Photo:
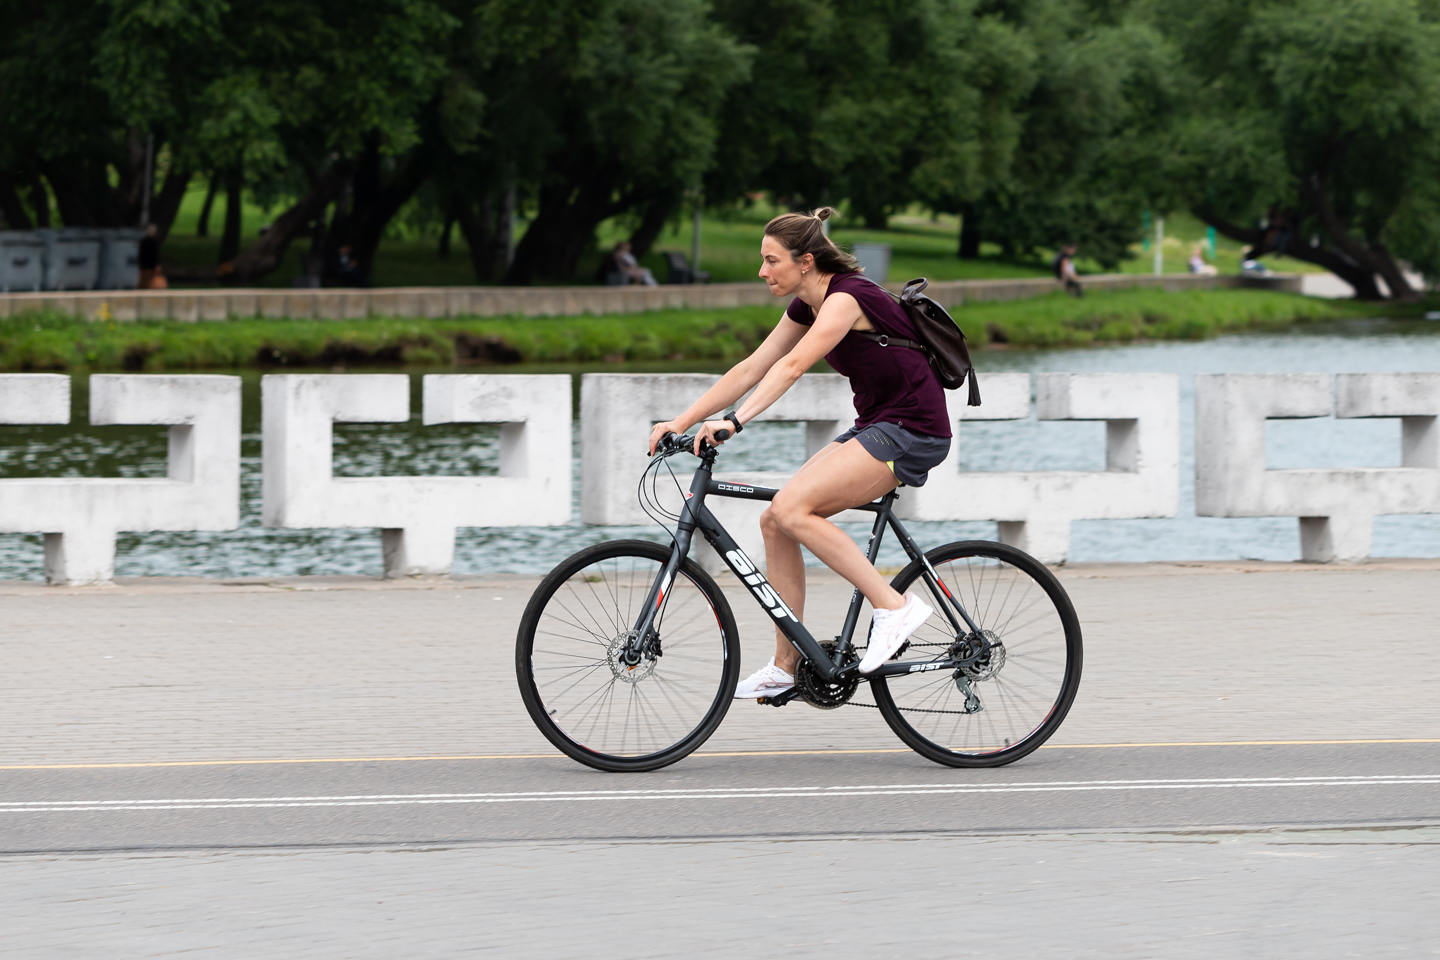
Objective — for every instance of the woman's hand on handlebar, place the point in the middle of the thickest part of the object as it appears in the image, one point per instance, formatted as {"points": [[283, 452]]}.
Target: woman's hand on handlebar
{"points": [[713, 432], [657, 433]]}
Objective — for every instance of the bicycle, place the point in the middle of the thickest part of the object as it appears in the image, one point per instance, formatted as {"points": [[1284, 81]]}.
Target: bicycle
{"points": [[622, 643]]}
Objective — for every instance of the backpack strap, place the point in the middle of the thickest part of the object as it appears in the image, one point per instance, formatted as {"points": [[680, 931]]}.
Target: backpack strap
{"points": [[889, 340]]}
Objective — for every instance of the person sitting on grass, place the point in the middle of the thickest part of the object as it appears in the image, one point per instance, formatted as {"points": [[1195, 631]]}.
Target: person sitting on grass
{"points": [[1064, 267]]}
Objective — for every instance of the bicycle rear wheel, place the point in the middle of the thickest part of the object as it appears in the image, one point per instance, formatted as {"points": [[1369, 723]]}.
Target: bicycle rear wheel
{"points": [[588, 702], [1020, 693]]}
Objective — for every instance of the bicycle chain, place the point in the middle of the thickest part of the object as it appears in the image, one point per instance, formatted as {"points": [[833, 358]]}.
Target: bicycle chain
{"points": [[873, 706]]}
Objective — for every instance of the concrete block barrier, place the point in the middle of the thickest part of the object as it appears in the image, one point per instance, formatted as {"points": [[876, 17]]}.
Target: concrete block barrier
{"points": [[417, 516], [1034, 509], [80, 516], [1336, 507]]}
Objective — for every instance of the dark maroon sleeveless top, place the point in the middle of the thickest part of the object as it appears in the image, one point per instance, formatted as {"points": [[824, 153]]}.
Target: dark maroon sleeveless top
{"points": [[892, 384]]}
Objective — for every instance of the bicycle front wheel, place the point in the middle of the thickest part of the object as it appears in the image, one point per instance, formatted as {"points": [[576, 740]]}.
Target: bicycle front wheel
{"points": [[1000, 707], [585, 699]]}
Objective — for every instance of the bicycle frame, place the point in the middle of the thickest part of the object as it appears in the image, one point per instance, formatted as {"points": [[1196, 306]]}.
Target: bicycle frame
{"points": [[696, 516]]}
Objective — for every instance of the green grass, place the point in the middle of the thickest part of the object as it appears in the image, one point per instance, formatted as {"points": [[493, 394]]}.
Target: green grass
{"points": [[921, 245], [51, 341], [1125, 316]]}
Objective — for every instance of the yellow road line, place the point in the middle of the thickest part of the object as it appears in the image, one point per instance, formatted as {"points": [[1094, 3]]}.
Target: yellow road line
{"points": [[728, 753]]}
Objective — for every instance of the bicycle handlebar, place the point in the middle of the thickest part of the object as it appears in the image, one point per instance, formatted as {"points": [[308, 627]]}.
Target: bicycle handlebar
{"points": [[673, 443]]}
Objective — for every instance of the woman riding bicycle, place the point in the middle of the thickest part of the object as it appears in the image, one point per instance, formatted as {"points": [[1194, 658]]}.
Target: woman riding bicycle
{"points": [[901, 430]]}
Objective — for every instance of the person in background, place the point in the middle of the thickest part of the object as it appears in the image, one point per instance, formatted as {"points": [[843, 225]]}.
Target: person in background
{"points": [[1064, 267], [1198, 266], [630, 267], [347, 268], [152, 275]]}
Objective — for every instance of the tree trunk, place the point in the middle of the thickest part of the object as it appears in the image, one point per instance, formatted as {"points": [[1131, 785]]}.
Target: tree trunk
{"points": [[130, 186], [969, 248], [71, 183], [234, 218], [379, 204], [563, 229], [202, 227], [265, 254], [1361, 276], [652, 221], [442, 249], [1391, 273], [12, 211], [480, 222], [39, 201], [165, 205], [551, 249]]}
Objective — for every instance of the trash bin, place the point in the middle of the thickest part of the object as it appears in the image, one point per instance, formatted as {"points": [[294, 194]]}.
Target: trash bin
{"points": [[72, 258], [119, 258], [875, 259], [22, 261]]}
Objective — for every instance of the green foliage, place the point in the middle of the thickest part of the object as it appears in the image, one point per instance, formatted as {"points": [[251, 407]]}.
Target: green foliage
{"points": [[1035, 121], [1327, 111]]}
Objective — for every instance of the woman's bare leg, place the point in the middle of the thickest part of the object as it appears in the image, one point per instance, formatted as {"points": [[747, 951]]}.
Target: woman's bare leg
{"points": [[840, 476]]}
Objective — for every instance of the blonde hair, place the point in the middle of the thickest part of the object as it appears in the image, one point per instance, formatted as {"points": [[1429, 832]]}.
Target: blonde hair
{"points": [[803, 233]]}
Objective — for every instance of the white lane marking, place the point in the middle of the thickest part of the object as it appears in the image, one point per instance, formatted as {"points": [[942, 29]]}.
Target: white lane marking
{"points": [[706, 793]]}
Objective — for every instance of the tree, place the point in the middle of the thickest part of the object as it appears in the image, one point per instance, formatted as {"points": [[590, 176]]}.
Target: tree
{"points": [[1086, 86], [308, 103], [322, 105], [1325, 114], [858, 102], [68, 119], [591, 111]]}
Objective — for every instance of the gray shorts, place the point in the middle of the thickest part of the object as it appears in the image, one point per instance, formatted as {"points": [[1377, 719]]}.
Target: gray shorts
{"points": [[908, 454]]}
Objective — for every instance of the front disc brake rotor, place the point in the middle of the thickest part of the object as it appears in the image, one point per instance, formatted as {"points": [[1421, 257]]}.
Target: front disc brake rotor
{"points": [[627, 672]]}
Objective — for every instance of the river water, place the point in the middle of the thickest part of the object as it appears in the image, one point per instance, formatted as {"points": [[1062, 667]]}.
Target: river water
{"points": [[459, 449]]}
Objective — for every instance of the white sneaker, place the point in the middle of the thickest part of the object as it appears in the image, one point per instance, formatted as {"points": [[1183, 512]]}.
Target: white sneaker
{"points": [[889, 629], [768, 681]]}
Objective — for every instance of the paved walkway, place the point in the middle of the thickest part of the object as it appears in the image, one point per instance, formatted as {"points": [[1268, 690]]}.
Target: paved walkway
{"points": [[174, 670]]}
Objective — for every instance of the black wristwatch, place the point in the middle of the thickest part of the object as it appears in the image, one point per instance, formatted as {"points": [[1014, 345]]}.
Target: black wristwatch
{"points": [[734, 420]]}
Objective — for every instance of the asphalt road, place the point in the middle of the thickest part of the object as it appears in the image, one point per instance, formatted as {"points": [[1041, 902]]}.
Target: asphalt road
{"points": [[343, 769], [815, 796]]}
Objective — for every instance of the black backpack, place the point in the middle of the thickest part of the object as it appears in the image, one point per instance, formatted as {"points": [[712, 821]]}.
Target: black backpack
{"points": [[941, 338]]}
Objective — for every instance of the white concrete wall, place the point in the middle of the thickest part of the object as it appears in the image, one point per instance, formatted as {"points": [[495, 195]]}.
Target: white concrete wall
{"points": [[80, 516], [417, 515], [1336, 507]]}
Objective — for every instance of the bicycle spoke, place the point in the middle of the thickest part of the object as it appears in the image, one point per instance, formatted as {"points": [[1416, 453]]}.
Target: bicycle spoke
{"points": [[1019, 692], [582, 686]]}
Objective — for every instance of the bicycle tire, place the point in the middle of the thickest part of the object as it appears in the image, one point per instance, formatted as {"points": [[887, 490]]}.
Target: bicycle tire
{"points": [[1015, 599], [590, 705]]}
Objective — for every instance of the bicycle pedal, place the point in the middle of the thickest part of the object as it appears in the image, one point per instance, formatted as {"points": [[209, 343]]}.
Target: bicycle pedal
{"points": [[780, 699]]}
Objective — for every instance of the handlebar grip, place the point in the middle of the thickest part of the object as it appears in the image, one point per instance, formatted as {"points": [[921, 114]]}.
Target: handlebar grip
{"points": [[722, 435]]}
